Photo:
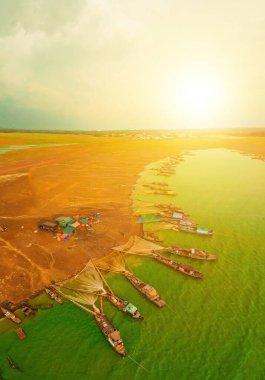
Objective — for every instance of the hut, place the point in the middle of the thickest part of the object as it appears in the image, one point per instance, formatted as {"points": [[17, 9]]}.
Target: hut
{"points": [[68, 230], [63, 221]]}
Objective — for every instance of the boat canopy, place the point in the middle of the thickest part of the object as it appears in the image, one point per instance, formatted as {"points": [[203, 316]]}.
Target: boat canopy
{"points": [[131, 308], [177, 215], [202, 229], [115, 335]]}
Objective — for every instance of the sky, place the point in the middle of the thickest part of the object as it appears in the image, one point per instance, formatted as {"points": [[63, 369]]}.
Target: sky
{"points": [[123, 64]]}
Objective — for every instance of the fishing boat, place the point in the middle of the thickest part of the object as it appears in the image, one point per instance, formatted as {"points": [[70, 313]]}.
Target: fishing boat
{"points": [[21, 334], [11, 316], [42, 306], [192, 253], [111, 334], [53, 296], [183, 268], [196, 230], [163, 192], [160, 183], [11, 363], [147, 290], [169, 212], [124, 306], [27, 311]]}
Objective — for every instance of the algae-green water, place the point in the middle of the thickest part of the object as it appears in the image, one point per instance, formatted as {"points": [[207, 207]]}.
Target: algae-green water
{"points": [[213, 328]]}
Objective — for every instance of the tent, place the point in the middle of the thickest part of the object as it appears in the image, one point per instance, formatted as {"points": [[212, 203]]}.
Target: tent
{"points": [[68, 230], [75, 224], [63, 221]]}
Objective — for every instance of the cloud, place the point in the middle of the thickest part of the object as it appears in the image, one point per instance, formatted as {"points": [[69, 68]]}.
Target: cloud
{"points": [[110, 62], [47, 16]]}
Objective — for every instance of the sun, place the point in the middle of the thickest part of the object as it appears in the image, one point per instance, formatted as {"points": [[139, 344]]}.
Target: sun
{"points": [[199, 95]]}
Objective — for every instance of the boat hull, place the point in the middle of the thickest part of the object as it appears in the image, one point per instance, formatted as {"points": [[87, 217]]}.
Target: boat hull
{"points": [[178, 267], [157, 301], [11, 316], [195, 256], [210, 233], [108, 330]]}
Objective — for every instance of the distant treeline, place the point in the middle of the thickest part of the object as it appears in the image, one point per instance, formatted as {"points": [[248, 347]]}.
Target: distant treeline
{"points": [[155, 132]]}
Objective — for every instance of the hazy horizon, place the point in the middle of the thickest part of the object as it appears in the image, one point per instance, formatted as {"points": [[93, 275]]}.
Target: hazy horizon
{"points": [[121, 65]]}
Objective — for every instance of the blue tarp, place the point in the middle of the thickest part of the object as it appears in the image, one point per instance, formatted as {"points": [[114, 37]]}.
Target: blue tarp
{"points": [[131, 308], [149, 219]]}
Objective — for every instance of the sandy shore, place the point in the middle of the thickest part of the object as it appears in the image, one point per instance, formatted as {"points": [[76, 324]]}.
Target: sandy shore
{"points": [[95, 174]]}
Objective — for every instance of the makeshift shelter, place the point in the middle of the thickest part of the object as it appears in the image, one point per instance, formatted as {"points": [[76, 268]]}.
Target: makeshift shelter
{"points": [[75, 224], [138, 245], [63, 221], [84, 222], [149, 218], [68, 230]]}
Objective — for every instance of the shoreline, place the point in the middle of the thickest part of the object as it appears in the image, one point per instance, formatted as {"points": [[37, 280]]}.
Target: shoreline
{"points": [[59, 180]]}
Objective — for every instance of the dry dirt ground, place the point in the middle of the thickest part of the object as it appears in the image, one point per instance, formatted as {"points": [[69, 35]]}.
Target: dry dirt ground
{"points": [[94, 174]]}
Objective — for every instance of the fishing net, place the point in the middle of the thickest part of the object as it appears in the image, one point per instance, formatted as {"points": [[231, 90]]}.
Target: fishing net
{"points": [[113, 263], [90, 280], [138, 245], [85, 287], [83, 298], [161, 227]]}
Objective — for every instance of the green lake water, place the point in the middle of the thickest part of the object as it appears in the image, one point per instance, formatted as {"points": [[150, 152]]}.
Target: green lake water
{"points": [[11, 148], [213, 328]]}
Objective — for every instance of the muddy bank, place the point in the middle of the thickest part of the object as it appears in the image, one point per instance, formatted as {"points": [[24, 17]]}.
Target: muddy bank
{"points": [[95, 175]]}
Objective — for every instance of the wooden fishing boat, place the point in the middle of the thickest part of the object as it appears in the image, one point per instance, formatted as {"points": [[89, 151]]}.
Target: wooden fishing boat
{"points": [[161, 192], [147, 290], [21, 334], [42, 306], [196, 230], [27, 311], [11, 363], [192, 253], [111, 334], [124, 306], [11, 316], [53, 296], [160, 183], [183, 268]]}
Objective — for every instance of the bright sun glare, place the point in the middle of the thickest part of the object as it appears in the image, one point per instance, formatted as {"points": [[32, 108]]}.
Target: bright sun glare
{"points": [[199, 95]]}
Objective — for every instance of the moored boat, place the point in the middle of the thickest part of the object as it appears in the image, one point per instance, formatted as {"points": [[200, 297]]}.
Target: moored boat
{"points": [[21, 334], [11, 363], [124, 306], [111, 334], [147, 290], [53, 296], [196, 230], [183, 268], [42, 306], [192, 253], [153, 237], [11, 316], [160, 183]]}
